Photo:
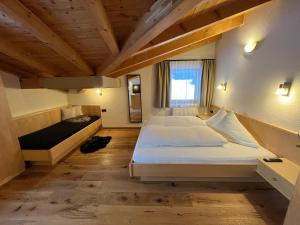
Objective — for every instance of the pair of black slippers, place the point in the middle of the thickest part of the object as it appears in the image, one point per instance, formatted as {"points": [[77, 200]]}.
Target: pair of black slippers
{"points": [[95, 143]]}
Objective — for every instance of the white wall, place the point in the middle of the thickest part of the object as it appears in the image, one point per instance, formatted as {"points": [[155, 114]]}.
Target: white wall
{"points": [[115, 100], [253, 79], [204, 52], [24, 101]]}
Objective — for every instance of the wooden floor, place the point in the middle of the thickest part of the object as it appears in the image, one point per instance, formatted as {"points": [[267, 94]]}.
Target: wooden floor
{"points": [[96, 189]]}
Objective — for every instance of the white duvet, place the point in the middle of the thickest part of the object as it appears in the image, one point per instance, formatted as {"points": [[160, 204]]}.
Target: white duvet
{"points": [[157, 136], [181, 121]]}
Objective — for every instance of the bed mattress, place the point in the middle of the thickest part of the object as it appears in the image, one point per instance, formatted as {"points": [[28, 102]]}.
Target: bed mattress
{"points": [[53, 135], [230, 153]]}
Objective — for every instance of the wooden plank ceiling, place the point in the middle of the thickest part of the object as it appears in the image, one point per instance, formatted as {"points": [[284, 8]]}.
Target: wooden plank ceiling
{"points": [[43, 38]]}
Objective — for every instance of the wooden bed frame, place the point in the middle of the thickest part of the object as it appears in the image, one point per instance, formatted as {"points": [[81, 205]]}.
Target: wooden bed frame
{"points": [[279, 141], [193, 172], [46, 118]]}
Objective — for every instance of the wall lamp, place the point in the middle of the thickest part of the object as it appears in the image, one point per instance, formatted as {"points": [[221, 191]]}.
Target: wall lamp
{"points": [[99, 91], [284, 89], [222, 86], [250, 46]]}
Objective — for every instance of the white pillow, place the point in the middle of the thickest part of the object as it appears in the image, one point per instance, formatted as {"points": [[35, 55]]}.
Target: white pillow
{"points": [[217, 117], [185, 111], [78, 110], [67, 113], [234, 131], [153, 136]]}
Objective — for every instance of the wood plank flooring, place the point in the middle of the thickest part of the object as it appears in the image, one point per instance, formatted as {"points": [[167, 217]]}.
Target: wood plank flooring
{"points": [[96, 189]]}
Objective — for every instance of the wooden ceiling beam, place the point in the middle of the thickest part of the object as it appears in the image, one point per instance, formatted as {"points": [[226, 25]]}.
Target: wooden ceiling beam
{"points": [[18, 12], [161, 15], [12, 51], [12, 69], [210, 15], [104, 27], [171, 48], [161, 57]]}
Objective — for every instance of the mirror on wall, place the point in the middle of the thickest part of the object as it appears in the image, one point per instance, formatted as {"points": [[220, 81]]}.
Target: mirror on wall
{"points": [[134, 98]]}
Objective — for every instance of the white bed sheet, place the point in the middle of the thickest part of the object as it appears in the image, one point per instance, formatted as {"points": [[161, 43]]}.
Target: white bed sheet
{"points": [[230, 153]]}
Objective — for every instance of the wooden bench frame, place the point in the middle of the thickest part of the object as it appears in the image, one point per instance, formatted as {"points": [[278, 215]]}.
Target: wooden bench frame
{"points": [[59, 151], [35, 121]]}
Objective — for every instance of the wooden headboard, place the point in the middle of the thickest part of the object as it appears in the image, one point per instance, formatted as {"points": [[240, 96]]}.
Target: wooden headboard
{"points": [[92, 110], [32, 122], [278, 140]]}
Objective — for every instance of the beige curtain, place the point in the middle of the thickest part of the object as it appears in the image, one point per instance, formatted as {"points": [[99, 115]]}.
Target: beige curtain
{"points": [[207, 84], [162, 71]]}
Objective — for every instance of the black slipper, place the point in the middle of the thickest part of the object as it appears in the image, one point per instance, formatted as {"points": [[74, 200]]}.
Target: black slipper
{"points": [[95, 143]]}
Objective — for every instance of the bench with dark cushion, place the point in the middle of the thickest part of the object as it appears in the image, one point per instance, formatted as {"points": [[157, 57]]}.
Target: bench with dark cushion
{"points": [[49, 137]]}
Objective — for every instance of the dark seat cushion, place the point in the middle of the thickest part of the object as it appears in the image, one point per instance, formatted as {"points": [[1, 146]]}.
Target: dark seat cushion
{"points": [[53, 135]]}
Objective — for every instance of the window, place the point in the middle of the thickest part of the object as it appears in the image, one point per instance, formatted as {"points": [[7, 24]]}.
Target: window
{"points": [[185, 83]]}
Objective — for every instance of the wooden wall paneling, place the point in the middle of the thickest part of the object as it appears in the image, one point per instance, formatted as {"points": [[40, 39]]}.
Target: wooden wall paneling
{"points": [[206, 14], [11, 161], [280, 141], [104, 27], [35, 121], [18, 12], [93, 110], [161, 15]]}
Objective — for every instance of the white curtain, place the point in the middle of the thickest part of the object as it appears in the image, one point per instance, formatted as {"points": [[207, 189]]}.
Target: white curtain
{"points": [[185, 83]]}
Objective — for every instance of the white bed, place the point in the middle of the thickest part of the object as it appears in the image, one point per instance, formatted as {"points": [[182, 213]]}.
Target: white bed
{"points": [[230, 160]]}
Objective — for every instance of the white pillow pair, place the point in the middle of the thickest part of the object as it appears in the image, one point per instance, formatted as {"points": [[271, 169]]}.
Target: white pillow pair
{"points": [[70, 112], [230, 127]]}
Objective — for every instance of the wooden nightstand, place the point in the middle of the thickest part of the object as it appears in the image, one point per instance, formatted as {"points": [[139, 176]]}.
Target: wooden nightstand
{"points": [[281, 175]]}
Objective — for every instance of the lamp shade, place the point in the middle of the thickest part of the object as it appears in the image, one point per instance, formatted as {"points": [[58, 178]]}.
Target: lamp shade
{"points": [[136, 88]]}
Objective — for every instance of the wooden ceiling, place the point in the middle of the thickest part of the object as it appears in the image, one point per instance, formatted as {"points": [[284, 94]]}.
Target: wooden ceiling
{"points": [[46, 38]]}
